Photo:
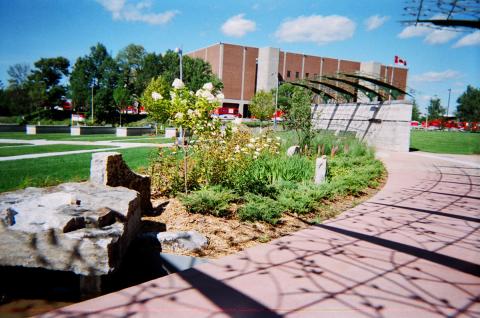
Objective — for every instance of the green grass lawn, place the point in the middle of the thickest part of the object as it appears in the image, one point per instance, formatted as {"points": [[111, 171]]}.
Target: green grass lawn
{"points": [[64, 137], [47, 171], [451, 142], [25, 150]]}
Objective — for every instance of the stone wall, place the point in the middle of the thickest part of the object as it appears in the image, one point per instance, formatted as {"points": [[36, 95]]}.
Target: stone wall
{"points": [[12, 128], [382, 125], [108, 168], [46, 129], [91, 130], [134, 131]]}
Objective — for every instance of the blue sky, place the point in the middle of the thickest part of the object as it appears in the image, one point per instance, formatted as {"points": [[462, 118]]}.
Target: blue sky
{"points": [[367, 30]]}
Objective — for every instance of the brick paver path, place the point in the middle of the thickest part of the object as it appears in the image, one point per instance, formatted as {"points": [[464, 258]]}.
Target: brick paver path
{"points": [[410, 251]]}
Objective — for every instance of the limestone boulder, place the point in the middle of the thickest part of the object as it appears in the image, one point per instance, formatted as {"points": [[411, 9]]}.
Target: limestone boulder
{"points": [[80, 227], [190, 240], [109, 169]]}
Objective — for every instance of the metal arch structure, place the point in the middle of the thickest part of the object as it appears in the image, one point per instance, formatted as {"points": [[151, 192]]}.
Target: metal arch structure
{"points": [[329, 89], [454, 14]]}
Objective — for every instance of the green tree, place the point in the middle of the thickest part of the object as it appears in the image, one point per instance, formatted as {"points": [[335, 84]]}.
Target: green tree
{"points": [[263, 105], [48, 72], [97, 74], [81, 80], [121, 95], [468, 108], [130, 63], [298, 114], [154, 99], [196, 72], [416, 115], [435, 110], [151, 67], [18, 74]]}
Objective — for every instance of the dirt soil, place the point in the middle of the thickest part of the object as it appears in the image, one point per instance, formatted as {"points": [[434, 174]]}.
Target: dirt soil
{"points": [[230, 235]]}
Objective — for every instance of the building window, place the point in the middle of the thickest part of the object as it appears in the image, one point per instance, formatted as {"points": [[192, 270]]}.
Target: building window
{"points": [[297, 74], [306, 75], [288, 73]]}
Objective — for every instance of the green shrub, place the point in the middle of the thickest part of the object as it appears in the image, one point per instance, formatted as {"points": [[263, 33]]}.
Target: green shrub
{"points": [[303, 198], [253, 124], [259, 208], [209, 200]]}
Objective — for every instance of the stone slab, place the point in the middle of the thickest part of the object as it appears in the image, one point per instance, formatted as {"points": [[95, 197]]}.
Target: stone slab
{"points": [[80, 227]]}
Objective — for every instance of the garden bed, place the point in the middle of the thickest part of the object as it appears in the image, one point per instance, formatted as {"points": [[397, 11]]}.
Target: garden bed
{"points": [[231, 235]]}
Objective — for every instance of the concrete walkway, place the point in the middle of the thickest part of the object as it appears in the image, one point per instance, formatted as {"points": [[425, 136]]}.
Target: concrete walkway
{"points": [[43, 142], [410, 251]]}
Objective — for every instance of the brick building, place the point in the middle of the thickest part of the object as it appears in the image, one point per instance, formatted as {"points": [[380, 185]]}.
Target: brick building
{"points": [[245, 70]]}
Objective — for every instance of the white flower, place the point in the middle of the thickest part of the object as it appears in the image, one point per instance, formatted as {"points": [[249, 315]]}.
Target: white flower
{"points": [[197, 113], [220, 96], [172, 94], [190, 112], [250, 146], [179, 115], [278, 138], [206, 94], [252, 139], [156, 96], [257, 153], [269, 139], [178, 84], [237, 148], [208, 86]]}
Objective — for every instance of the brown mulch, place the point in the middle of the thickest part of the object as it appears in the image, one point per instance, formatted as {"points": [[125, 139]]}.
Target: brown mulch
{"points": [[230, 235]]}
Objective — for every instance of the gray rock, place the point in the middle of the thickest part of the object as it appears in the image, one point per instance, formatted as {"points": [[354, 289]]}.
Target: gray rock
{"points": [[108, 168], [191, 240], [80, 227], [320, 170], [293, 150]]}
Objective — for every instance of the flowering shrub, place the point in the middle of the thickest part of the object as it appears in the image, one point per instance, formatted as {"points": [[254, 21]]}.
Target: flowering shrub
{"points": [[221, 156], [180, 106]]}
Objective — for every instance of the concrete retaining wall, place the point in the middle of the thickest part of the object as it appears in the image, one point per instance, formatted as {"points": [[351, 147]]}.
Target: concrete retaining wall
{"points": [[44, 129], [134, 131], [91, 130], [382, 125], [12, 128]]}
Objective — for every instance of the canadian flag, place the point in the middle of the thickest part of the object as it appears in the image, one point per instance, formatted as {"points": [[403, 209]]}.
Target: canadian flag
{"points": [[400, 61]]}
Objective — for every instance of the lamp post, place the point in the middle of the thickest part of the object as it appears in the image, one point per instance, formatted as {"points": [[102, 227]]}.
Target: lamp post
{"points": [[180, 54], [448, 103], [93, 84]]}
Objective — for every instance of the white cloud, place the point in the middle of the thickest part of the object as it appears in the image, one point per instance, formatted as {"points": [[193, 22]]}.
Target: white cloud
{"points": [[414, 31], [237, 26], [436, 76], [431, 35], [121, 10], [440, 36], [316, 28], [468, 40], [375, 21]]}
